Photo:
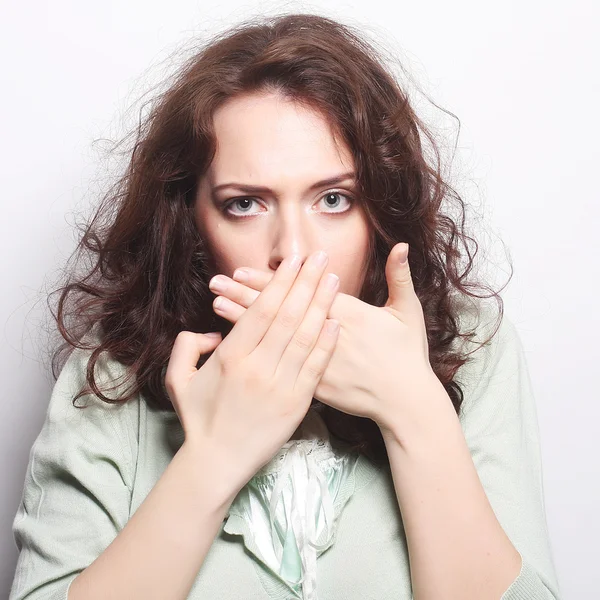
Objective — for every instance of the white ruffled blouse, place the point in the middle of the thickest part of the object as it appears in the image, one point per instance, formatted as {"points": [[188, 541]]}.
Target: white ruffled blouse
{"points": [[288, 512]]}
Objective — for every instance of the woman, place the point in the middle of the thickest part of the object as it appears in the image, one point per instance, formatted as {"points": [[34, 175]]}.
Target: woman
{"points": [[355, 429]]}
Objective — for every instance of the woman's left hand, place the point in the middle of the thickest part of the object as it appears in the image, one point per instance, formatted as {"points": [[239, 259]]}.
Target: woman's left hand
{"points": [[380, 367]]}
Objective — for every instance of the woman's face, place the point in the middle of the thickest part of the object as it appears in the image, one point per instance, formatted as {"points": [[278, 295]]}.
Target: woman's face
{"points": [[263, 196]]}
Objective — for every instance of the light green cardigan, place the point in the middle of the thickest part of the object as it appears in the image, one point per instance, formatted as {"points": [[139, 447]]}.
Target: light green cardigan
{"points": [[89, 470]]}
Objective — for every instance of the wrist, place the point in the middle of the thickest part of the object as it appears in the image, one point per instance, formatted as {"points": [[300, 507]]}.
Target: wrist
{"points": [[209, 477], [430, 412]]}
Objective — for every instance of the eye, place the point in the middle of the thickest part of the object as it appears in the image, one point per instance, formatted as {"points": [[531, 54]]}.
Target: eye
{"points": [[243, 203], [330, 200]]}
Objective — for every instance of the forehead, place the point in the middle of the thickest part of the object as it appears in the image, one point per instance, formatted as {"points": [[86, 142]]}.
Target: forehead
{"points": [[262, 138]]}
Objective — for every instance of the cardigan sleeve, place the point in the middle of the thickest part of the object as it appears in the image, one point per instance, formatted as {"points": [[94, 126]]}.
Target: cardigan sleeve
{"points": [[499, 421], [77, 490]]}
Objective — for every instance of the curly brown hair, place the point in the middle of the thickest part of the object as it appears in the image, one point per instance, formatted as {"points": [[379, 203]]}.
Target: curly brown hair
{"points": [[149, 266]]}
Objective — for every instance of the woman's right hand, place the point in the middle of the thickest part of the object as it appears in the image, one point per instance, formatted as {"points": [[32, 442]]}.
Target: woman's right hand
{"points": [[251, 395]]}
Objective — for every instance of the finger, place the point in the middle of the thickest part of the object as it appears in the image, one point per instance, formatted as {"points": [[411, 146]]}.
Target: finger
{"points": [[255, 322], [232, 310], [307, 334], [185, 354], [401, 291], [292, 311], [228, 309], [253, 278], [236, 292], [313, 368]]}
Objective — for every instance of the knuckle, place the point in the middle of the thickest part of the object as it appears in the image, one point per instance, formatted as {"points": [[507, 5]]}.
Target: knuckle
{"points": [[255, 375], [226, 358], [314, 370], [303, 340], [254, 379], [288, 318], [184, 337], [170, 385], [306, 287], [264, 315]]}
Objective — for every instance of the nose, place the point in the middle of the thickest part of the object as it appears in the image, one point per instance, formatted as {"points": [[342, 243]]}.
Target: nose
{"points": [[291, 235]]}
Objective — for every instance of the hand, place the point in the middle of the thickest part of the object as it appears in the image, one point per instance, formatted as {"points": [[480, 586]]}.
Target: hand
{"points": [[250, 396], [380, 367]]}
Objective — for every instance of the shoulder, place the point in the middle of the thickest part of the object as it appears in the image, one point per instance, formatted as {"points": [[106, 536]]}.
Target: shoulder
{"points": [[492, 329], [90, 418], [484, 317], [494, 353]]}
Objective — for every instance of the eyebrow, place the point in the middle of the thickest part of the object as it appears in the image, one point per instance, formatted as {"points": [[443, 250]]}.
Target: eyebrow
{"points": [[257, 189]]}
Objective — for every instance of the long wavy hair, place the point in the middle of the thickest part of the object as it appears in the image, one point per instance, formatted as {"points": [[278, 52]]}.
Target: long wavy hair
{"points": [[149, 267]]}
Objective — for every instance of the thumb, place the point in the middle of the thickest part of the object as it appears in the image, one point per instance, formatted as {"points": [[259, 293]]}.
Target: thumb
{"points": [[401, 292], [185, 354]]}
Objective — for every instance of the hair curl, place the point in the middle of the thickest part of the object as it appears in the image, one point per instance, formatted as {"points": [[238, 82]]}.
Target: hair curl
{"points": [[149, 267]]}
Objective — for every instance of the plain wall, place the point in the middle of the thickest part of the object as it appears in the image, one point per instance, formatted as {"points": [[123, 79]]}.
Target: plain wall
{"points": [[522, 79]]}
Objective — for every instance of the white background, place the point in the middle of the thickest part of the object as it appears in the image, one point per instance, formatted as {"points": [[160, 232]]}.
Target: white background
{"points": [[521, 76]]}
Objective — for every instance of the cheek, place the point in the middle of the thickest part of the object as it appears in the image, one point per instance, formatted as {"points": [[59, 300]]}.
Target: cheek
{"points": [[229, 257], [350, 280], [352, 263], [227, 250], [350, 268]]}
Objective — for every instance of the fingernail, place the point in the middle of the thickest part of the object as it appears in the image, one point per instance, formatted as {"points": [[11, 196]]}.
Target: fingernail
{"points": [[295, 262], [332, 281], [404, 255], [240, 275], [320, 258], [217, 284], [213, 334], [332, 326]]}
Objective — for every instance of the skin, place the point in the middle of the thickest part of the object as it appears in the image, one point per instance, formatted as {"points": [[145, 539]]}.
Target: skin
{"points": [[457, 547], [267, 140]]}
